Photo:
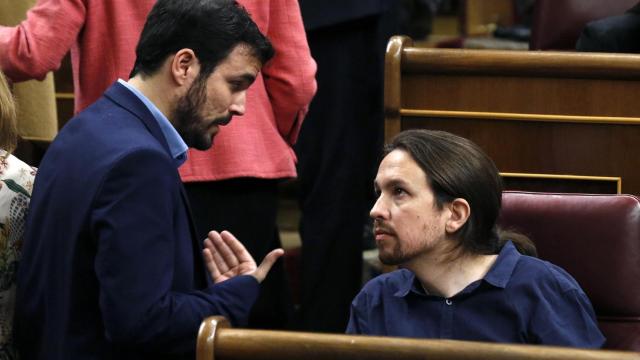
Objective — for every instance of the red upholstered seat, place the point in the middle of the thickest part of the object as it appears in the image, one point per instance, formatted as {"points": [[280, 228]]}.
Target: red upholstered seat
{"points": [[596, 238]]}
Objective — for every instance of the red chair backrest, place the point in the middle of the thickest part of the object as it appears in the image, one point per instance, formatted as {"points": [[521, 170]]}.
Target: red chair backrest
{"points": [[596, 238]]}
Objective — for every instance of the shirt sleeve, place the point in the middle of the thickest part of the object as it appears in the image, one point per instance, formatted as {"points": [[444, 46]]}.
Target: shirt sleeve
{"points": [[133, 220], [37, 45], [357, 317], [565, 318], [290, 75]]}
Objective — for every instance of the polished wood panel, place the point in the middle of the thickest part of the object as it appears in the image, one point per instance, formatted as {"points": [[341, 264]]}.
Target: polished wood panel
{"points": [[562, 183], [527, 95], [220, 342], [532, 112], [554, 64], [551, 148]]}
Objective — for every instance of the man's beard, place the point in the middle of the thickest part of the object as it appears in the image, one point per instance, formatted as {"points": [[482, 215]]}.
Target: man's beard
{"points": [[395, 257], [188, 122]]}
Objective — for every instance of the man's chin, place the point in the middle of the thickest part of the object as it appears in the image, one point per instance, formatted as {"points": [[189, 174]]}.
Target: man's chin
{"points": [[202, 144], [390, 259]]}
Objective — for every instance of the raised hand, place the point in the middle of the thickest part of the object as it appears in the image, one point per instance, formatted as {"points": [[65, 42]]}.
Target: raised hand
{"points": [[226, 257]]}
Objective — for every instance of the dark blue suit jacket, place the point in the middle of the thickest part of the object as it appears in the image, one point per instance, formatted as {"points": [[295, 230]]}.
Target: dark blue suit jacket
{"points": [[111, 267]]}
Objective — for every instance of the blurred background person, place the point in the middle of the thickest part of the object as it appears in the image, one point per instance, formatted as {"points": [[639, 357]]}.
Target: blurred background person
{"points": [[16, 184], [337, 152], [612, 34]]}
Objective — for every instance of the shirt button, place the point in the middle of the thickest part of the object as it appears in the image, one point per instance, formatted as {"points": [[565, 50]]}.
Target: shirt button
{"points": [[448, 302]]}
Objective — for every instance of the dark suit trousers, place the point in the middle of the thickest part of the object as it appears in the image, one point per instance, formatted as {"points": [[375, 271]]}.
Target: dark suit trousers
{"points": [[337, 152], [247, 208]]}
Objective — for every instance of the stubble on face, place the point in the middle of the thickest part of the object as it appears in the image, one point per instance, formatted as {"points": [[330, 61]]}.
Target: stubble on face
{"points": [[408, 223], [188, 121], [422, 241]]}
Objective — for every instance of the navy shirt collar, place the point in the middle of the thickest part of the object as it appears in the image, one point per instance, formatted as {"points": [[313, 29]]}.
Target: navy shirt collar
{"points": [[501, 271], [498, 276]]}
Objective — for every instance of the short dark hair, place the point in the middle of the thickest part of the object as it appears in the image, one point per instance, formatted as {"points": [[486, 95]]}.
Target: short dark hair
{"points": [[211, 28], [458, 168]]}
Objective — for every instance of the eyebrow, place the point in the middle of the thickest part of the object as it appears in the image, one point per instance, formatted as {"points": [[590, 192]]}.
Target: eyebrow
{"points": [[391, 183]]}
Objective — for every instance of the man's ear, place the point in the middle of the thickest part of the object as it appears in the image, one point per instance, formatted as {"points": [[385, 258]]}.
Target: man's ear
{"points": [[185, 66], [459, 214]]}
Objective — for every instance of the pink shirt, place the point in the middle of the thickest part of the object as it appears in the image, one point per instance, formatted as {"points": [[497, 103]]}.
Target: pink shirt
{"points": [[102, 36]]}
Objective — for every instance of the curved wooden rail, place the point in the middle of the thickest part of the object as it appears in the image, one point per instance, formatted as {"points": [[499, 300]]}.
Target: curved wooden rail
{"points": [[392, 76], [205, 345], [223, 343], [519, 63]]}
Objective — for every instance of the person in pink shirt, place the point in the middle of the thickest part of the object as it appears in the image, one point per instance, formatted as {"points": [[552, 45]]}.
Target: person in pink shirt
{"points": [[233, 185]]}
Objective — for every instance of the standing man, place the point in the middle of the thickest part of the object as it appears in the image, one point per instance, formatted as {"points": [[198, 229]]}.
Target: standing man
{"points": [[461, 278], [229, 185], [235, 183], [112, 265], [337, 151]]}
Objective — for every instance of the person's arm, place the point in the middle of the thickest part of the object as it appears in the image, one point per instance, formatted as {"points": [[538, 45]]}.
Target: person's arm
{"points": [[565, 318], [133, 221], [37, 45], [357, 316], [290, 76]]}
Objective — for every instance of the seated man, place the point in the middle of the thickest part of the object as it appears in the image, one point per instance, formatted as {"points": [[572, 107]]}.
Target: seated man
{"points": [[616, 34], [111, 266], [439, 197]]}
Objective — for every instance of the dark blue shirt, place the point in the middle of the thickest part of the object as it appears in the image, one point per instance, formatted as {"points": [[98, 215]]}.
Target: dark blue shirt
{"points": [[521, 300]]}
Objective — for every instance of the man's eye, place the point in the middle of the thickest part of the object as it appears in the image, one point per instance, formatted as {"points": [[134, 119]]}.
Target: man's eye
{"points": [[399, 191]]}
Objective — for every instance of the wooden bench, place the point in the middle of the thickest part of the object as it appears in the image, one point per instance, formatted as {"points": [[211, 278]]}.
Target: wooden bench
{"points": [[216, 340], [551, 121]]}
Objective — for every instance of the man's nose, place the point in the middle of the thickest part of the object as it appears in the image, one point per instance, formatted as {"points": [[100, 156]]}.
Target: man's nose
{"points": [[378, 210], [237, 107]]}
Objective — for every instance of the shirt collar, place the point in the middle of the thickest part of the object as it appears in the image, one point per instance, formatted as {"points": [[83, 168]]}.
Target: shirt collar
{"points": [[500, 273], [498, 276], [407, 283], [177, 146]]}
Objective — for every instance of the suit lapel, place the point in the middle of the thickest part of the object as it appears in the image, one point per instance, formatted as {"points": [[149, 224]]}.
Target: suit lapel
{"points": [[123, 97], [201, 277]]}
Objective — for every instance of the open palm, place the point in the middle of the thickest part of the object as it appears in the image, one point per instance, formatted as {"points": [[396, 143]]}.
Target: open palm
{"points": [[226, 257]]}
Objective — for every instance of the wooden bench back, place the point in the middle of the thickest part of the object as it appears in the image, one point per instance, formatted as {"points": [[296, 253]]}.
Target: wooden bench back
{"points": [[217, 341], [564, 121]]}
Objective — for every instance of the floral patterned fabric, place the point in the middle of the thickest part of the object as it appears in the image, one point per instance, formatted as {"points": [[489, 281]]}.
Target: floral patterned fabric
{"points": [[16, 184]]}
